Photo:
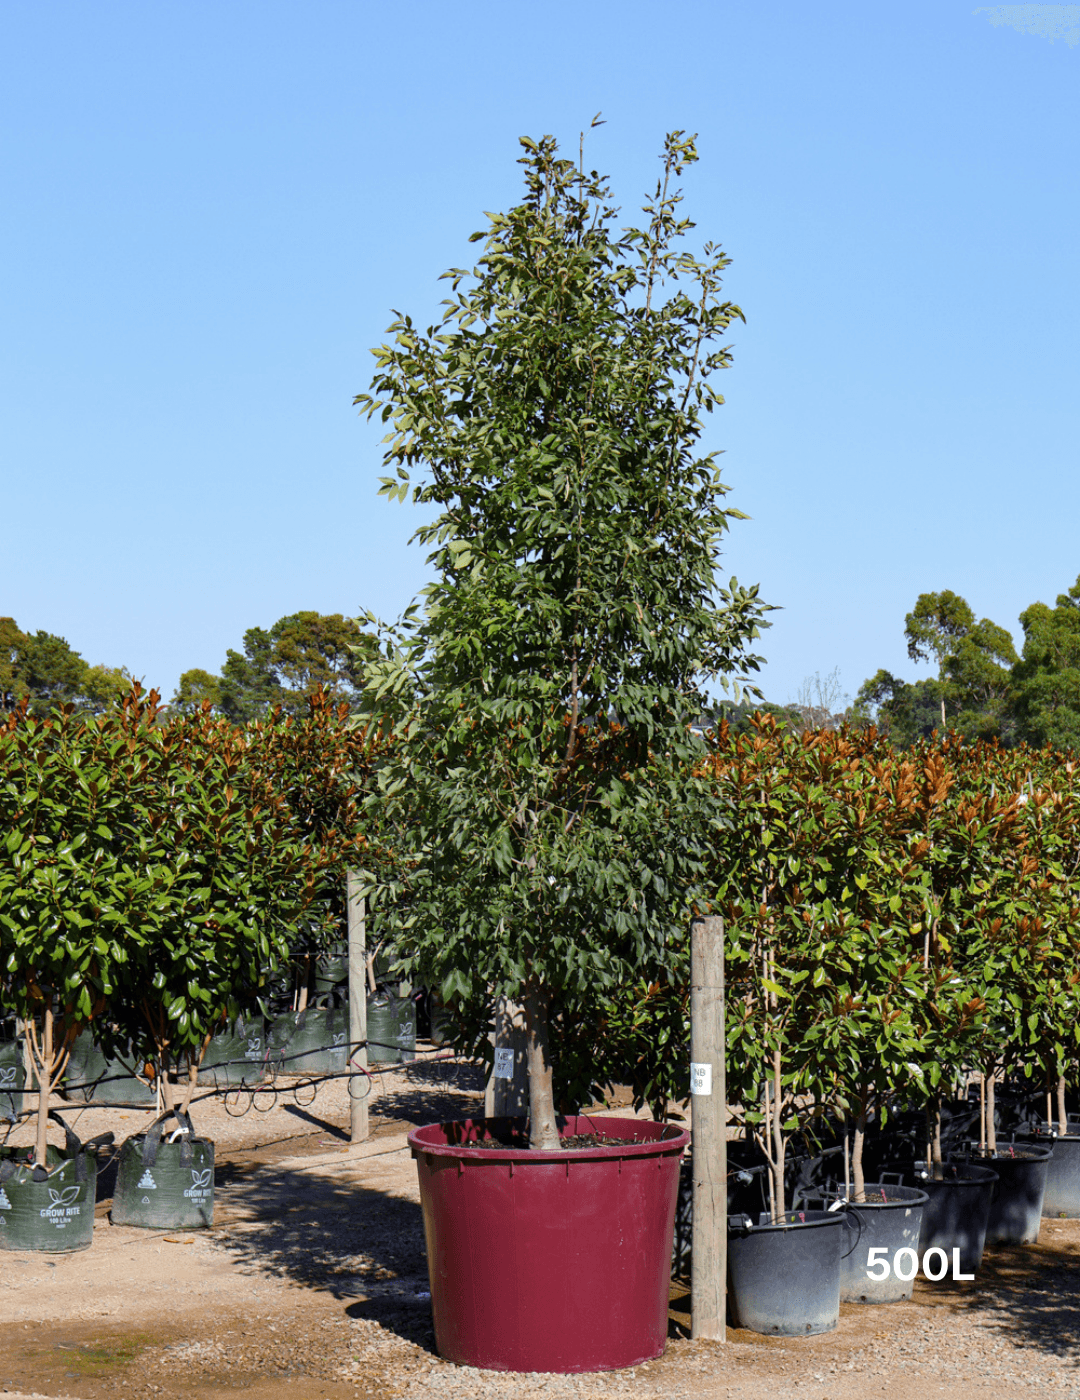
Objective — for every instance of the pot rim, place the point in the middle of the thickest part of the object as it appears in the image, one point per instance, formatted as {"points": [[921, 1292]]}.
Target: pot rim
{"points": [[978, 1176], [670, 1142], [746, 1227], [1029, 1152], [917, 1199]]}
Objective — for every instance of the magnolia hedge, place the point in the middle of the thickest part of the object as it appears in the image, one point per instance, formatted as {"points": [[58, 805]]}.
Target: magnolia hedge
{"points": [[154, 874], [894, 919]]}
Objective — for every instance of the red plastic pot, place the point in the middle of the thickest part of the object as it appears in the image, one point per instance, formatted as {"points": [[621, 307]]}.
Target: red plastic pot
{"points": [[549, 1261]]}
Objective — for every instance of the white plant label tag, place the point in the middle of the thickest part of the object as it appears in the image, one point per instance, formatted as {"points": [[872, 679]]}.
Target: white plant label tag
{"points": [[504, 1063], [701, 1079]]}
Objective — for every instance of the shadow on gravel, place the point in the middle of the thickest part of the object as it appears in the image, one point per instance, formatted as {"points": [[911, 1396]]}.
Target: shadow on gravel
{"points": [[408, 1318], [438, 1091], [1035, 1292], [336, 1236], [420, 1106]]}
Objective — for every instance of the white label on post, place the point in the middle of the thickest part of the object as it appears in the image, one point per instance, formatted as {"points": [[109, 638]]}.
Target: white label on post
{"points": [[701, 1079], [504, 1064]]}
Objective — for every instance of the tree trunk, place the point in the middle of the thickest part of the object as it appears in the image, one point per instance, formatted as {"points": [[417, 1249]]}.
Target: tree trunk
{"points": [[509, 1097], [41, 1146], [991, 1130], [933, 1133], [1063, 1117], [358, 1083], [859, 1181], [543, 1130], [189, 1087], [778, 1139], [767, 1127]]}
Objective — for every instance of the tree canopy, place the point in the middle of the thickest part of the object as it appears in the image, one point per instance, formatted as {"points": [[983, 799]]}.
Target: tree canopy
{"points": [[47, 671], [284, 665], [547, 689]]}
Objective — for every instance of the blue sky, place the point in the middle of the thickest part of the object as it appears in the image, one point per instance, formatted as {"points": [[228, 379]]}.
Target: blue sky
{"points": [[210, 209]]}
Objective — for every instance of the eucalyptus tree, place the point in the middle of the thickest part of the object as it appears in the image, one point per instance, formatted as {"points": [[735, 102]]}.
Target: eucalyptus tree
{"points": [[545, 693]]}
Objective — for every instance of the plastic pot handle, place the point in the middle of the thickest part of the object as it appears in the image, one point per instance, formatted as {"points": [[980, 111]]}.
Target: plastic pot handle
{"points": [[862, 1225]]}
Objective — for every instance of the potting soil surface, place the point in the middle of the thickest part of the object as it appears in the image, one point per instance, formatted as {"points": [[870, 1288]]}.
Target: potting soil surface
{"points": [[312, 1284]]}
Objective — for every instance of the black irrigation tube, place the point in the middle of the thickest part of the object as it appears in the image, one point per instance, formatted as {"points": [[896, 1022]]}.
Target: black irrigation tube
{"points": [[275, 1065]]}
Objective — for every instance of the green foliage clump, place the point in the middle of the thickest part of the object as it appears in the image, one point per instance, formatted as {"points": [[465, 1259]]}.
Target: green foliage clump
{"points": [[153, 875]]}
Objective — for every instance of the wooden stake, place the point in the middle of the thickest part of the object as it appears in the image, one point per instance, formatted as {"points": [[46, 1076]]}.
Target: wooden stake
{"points": [[708, 1281], [359, 1085], [509, 1097]]}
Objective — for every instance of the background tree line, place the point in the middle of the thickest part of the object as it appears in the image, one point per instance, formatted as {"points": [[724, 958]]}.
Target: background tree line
{"points": [[283, 665], [46, 671], [983, 689]]}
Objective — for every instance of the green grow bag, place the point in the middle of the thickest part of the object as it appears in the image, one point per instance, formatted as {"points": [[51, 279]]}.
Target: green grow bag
{"points": [[331, 970], [391, 1029], [237, 1054], [315, 1041], [442, 1022], [12, 1078], [49, 1209], [165, 1185], [92, 1077]]}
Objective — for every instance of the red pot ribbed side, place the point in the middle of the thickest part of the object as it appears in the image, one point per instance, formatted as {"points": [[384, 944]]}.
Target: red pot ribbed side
{"points": [[549, 1261]]}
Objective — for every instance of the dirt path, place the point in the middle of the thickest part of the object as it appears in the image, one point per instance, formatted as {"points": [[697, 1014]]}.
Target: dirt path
{"points": [[313, 1283]]}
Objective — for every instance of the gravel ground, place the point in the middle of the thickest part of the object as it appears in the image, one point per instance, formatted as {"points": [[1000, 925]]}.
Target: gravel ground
{"points": [[312, 1285]]}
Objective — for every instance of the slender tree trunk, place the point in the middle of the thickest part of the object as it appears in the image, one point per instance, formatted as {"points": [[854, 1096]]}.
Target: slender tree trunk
{"points": [[982, 1110], [769, 1153], [933, 1132], [41, 1146], [857, 1158], [167, 1093], [189, 1087], [543, 1130], [991, 1128], [1063, 1117], [778, 1138]]}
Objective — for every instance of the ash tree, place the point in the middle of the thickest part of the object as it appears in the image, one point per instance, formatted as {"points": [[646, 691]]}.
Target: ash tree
{"points": [[542, 774]]}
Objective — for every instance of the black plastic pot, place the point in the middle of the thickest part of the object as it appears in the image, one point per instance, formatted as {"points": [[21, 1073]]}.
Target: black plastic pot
{"points": [[49, 1210], [165, 1185], [784, 1280], [1017, 1208], [1061, 1200], [958, 1210], [890, 1218]]}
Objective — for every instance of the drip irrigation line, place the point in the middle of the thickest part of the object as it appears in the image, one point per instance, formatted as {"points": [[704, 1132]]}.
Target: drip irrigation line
{"points": [[263, 1096]]}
